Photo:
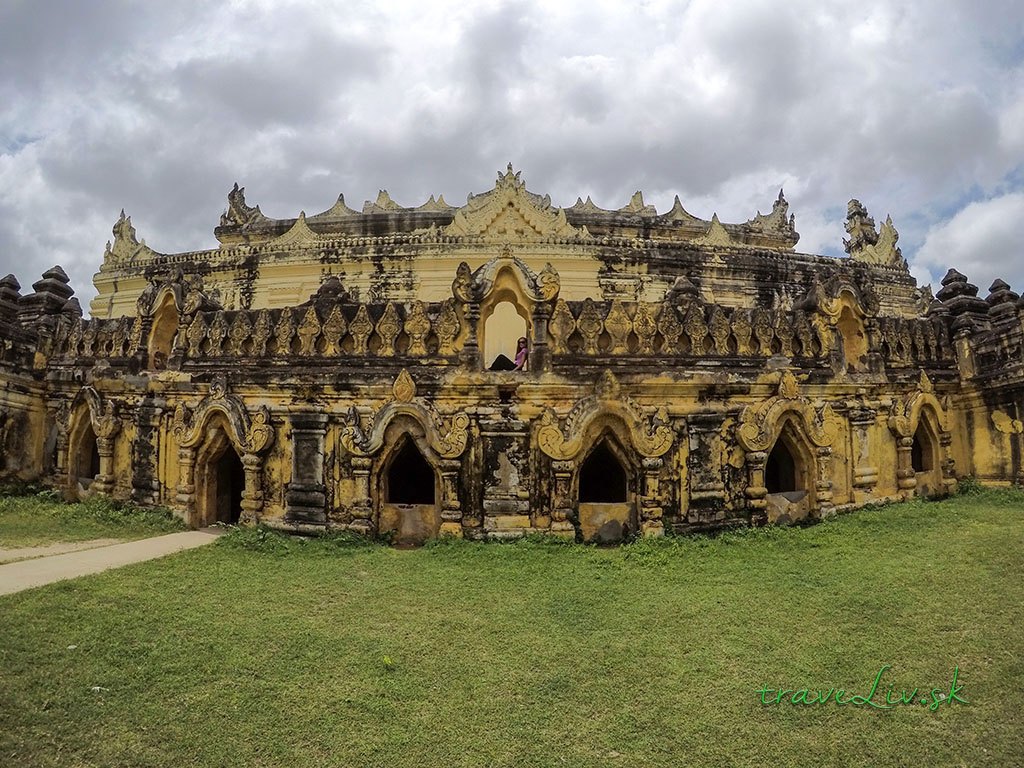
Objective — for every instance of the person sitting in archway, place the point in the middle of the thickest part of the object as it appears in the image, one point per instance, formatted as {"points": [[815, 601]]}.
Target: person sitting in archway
{"points": [[522, 353]]}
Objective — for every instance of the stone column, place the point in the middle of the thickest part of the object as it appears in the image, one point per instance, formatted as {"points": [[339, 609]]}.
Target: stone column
{"points": [[651, 511], [540, 353], [145, 478], [451, 507], [506, 498], [186, 495], [104, 482], [906, 480], [61, 470], [707, 490], [756, 492], [305, 496], [948, 463], [252, 495], [362, 505], [470, 353], [823, 486], [562, 512]]}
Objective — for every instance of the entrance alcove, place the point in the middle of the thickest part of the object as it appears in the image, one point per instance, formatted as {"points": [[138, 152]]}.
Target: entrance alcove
{"points": [[220, 478], [924, 458], [85, 464], [162, 333], [788, 476], [607, 513], [409, 507]]}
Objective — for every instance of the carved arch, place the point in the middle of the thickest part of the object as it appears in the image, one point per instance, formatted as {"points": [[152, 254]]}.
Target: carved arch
{"points": [[248, 434], [758, 427], [446, 438], [650, 436], [93, 419], [904, 421], [815, 429], [477, 286]]}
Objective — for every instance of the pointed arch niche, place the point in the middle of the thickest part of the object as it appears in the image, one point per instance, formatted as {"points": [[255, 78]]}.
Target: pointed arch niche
{"points": [[84, 461], [790, 472], [852, 331], [92, 428], [219, 476], [921, 427], [606, 486], [788, 442], [926, 455], [408, 488], [163, 331], [505, 318], [494, 328]]}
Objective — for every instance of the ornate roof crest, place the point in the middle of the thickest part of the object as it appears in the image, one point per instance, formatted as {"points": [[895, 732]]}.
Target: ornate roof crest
{"points": [[636, 206], [300, 233], [125, 246], [777, 221], [338, 210], [238, 213], [382, 204], [716, 234], [867, 245], [509, 212]]}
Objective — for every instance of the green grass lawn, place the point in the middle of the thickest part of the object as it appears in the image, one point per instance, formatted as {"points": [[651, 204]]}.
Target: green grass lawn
{"points": [[32, 520], [261, 651]]}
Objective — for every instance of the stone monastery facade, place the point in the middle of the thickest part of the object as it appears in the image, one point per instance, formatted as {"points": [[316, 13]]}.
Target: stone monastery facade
{"points": [[336, 371]]}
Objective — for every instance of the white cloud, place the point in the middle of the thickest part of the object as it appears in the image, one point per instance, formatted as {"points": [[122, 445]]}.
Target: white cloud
{"points": [[982, 241], [912, 108]]}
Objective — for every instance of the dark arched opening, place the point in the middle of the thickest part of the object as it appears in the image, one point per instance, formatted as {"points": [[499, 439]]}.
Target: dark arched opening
{"points": [[921, 451], [410, 479], [88, 457], [602, 478], [229, 477], [780, 470]]}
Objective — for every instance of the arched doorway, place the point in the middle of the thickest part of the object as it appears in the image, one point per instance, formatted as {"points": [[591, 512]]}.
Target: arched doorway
{"points": [[219, 480], [409, 508], [84, 466], [789, 476], [606, 510], [924, 458], [162, 333]]}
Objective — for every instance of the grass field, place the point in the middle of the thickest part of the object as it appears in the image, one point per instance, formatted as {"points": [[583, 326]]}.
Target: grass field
{"points": [[263, 651], [36, 519]]}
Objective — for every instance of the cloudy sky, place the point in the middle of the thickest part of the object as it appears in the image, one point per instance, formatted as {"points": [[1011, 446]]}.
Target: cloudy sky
{"points": [[917, 109]]}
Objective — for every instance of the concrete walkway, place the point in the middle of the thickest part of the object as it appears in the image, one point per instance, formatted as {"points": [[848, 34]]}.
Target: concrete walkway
{"points": [[45, 550], [26, 574]]}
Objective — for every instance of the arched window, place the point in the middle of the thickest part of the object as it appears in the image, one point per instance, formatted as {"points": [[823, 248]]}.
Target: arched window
{"points": [[602, 477], [410, 479], [161, 336], [855, 341], [780, 474], [502, 330]]}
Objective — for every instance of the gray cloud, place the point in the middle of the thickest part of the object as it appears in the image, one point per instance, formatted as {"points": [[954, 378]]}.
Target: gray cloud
{"points": [[159, 108]]}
